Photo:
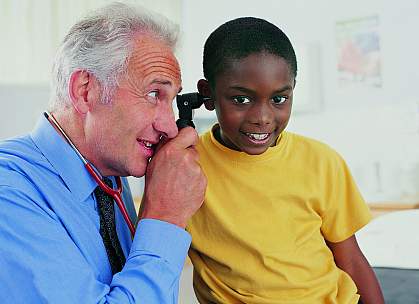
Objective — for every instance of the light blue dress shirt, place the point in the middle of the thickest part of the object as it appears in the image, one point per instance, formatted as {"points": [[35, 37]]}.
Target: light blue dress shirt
{"points": [[51, 250]]}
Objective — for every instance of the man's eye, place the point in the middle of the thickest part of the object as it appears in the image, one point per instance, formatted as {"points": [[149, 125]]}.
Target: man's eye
{"points": [[153, 94], [241, 99], [279, 99]]}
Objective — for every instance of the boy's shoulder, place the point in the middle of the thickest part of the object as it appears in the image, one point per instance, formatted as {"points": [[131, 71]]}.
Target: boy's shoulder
{"points": [[299, 139], [310, 145]]}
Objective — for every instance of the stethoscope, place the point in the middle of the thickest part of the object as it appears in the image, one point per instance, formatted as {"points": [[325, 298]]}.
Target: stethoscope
{"points": [[115, 193]]}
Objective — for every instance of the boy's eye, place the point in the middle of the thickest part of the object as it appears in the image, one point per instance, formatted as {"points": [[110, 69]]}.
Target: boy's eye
{"points": [[241, 99], [279, 99]]}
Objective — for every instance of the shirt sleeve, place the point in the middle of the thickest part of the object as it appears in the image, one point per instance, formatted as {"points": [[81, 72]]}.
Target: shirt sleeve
{"points": [[40, 263], [346, 211]]}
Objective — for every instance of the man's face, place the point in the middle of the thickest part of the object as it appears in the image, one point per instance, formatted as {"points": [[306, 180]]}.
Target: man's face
{"points": [[122, 135]]}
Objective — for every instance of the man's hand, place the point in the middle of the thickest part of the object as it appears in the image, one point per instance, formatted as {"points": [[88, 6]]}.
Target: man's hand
{"points": [[174, 182]]}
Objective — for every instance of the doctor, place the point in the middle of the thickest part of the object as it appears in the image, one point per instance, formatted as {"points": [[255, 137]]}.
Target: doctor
{"points": [[62, 240]]}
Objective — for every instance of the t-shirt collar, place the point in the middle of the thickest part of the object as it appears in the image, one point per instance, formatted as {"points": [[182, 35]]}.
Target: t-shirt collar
{"points": [[63, 159], [239, 156]]}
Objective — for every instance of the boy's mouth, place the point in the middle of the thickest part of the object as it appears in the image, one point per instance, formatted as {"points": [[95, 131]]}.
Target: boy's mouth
{"points": [[257, 136]]}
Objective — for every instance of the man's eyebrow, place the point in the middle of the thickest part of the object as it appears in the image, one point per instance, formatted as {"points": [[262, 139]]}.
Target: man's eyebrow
{"points": [[163, 82]]}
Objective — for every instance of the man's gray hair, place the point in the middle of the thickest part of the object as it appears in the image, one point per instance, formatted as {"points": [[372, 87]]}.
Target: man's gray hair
{"points": [[102, 44]]}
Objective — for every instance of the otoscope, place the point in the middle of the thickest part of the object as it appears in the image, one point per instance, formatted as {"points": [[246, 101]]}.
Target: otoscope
{"points": [[186, 103]]}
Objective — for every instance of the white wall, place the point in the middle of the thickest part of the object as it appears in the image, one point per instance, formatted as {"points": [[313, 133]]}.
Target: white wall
{"points": [[375, 129], [31, 32], [21, 105]]}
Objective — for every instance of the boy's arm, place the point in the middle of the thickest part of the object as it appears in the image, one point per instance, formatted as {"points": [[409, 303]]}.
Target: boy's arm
{"points": [[349, 258]]}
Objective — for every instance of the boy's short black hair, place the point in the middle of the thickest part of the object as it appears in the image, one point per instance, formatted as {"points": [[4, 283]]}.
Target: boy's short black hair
{"points": [[242, 37]]}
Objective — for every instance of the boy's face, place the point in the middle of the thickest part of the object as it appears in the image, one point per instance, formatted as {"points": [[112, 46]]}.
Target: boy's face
{"points": [[253, 99]]}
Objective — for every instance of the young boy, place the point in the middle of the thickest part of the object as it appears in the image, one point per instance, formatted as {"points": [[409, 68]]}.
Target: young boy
{"points": [[281, 210]]}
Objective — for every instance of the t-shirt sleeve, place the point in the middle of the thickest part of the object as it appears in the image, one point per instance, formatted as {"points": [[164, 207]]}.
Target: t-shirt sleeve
{"points": [[346, 211]]}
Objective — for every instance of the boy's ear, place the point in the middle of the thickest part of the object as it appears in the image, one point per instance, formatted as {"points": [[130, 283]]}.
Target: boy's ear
{"points": [[205, 90], [83, 90]]}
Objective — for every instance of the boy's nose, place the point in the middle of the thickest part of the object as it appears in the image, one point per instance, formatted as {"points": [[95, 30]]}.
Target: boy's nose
{"points": [[261, 113]]}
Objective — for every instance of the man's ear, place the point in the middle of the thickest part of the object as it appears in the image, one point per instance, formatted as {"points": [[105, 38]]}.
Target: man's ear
{"points": [[83, 90], [205, 90]]}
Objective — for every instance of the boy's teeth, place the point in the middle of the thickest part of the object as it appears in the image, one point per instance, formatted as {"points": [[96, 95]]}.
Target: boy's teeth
{"points": [[258, 136]]}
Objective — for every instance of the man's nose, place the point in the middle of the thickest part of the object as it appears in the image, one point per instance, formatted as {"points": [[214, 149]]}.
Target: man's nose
{"points": [[165, 121]]}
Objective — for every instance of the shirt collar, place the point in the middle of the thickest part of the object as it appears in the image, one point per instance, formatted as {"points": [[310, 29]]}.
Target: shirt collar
{"points": [[63, 159]]}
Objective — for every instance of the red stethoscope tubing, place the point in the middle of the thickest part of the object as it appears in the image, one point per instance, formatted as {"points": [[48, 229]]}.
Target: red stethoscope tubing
{"points": [[115, 193]]}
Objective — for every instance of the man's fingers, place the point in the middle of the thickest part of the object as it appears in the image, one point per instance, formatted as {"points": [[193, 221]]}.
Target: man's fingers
{"points": [[162, 142], [186, 137]]}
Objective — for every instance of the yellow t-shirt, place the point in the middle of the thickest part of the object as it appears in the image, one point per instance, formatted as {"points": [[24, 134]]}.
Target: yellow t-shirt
{"points": [[260, 235]]}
